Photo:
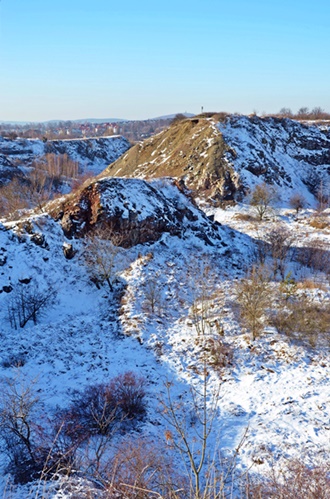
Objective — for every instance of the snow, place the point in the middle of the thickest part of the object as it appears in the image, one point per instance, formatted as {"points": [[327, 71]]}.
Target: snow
{"points": [[276, 389]]}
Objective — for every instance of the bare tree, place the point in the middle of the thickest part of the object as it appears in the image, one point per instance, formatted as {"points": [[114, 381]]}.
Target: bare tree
{"points": [[103, 255], [263, 198], [153, 294], [191, 423], [323, 196], [27, 303], [297, 202], [279, 242]]}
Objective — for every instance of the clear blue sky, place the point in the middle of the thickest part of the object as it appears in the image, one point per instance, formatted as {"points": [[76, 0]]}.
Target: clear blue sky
{"points": [[68, 59]]}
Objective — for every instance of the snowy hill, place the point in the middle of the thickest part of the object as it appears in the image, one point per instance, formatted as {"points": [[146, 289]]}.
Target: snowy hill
{"points": [[225, 159]]}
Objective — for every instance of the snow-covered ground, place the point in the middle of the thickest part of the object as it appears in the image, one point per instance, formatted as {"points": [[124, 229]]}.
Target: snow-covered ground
{"points": [[273, 388]]}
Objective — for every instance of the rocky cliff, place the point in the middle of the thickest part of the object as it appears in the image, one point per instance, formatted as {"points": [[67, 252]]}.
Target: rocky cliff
{"points": [[138, 211]]}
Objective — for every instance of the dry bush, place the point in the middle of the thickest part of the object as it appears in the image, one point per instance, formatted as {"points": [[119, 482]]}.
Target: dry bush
{"points": [[28, 303], [23, 437], [82, 180], [13, 197], [279, 242], [323, 195], [141, 470], [102, 408], [219, 354], [310, 284], [297, 202], [38, 186], [302, 318], [220, 117], [244, 217], [103, 255], [296, 481], [262, 200], [153, 295], [177, 118], [319, 222], [253, 294]]}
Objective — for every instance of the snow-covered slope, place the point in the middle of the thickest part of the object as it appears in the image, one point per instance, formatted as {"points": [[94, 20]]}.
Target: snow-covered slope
{"points": [[175, 260], [92, 154], [290, 155]]}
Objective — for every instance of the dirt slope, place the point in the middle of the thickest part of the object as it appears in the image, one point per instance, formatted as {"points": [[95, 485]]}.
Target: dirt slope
{"points": [[192, 150]]}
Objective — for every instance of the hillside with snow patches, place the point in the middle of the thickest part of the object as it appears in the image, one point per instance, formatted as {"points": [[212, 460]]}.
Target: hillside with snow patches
{"points": [[225, 158], [92, 154], [178, 259]]}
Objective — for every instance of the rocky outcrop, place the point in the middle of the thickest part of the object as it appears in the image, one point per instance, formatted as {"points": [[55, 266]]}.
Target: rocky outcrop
{"points": [[282, 152], [137, 211]]}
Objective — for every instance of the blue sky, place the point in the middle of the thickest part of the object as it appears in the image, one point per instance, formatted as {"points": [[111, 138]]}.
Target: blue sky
{"points": [[69, 59]]}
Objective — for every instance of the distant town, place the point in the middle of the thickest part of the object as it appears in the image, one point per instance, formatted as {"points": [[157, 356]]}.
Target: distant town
{"points": [[52, 130]]}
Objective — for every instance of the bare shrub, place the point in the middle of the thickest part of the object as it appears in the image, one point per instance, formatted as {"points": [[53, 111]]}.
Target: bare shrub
{"points": [[103, 255], [153, 295], [141, 469], [301, 317], [82, 180], [253, 294], [28, 303], [18, 428], [13, 197], [177, 118], [209, 476], [262, 200], [102, 408], [297, 202], [323, 196], [279, 242], [201, 282], [219, 355], [243, 217], [319, 222], [296, 480]]}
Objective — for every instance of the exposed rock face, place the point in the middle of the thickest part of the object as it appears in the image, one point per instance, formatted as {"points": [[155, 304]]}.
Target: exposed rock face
{"points": [[283, 152], [137, 210], [91, 154], [223, 160]]}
